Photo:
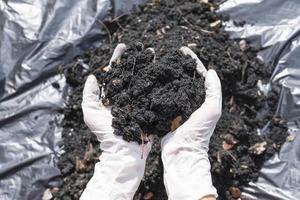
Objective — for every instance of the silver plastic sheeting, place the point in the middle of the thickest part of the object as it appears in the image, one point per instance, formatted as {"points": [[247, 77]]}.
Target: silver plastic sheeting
{"points": [[273, 27], [35, 37]]}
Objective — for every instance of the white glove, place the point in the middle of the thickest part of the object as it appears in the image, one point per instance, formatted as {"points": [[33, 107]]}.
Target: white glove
{"points": [[121, 167], [184, 151]]}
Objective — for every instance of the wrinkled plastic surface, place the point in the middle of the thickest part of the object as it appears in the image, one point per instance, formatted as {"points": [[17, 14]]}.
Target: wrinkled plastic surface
{"points": [[273, 27], [35, 38]]}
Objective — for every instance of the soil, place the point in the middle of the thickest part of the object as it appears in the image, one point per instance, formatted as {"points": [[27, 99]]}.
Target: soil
{"points": [[237, 151], [151, 94]]}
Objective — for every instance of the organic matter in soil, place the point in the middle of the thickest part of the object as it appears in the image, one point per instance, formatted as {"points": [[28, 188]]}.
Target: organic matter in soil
{"points": [[237, 151]]}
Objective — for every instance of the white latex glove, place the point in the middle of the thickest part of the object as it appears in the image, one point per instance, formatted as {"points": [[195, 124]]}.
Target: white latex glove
{"points": [[184, 151], [121, 167]]}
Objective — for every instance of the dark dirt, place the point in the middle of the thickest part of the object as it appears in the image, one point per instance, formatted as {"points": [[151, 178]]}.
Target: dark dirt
{"points": [[236, 150], [147, 96]]}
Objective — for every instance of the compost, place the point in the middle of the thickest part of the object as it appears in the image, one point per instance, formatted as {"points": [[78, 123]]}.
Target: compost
{"points": [[248, 132], [151, 93]]}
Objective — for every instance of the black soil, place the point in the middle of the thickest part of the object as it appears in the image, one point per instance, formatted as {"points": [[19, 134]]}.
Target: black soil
{"points": [[150, 91], [166, 26]]}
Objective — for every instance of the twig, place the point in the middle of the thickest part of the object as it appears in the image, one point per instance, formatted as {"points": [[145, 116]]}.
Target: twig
{"points": [[232, 156], [107, 30], [117, 18]]}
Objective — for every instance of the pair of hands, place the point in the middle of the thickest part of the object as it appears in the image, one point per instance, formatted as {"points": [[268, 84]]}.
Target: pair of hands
{"points": [[184, 151]]}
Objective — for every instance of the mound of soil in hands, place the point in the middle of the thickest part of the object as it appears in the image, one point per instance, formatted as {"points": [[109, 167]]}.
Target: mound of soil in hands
{"points": [[149, 97], [237, 151]]}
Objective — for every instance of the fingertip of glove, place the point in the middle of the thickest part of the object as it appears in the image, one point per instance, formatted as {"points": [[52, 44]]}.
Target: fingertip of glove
{"points": [[91, 86], [90, 81], [212, 78], [185, 50], [90, 78], [121, 45]]}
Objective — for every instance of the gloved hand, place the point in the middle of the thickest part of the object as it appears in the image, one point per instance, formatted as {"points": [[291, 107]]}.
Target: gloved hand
{"points": [[184, 151], [121, 167]]}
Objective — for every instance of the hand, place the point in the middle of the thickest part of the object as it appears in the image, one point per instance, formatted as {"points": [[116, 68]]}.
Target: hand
{"points": [[121, 166], [184, 151]]}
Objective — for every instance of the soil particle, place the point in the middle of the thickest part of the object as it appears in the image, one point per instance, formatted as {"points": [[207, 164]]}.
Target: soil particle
{"points": [[167, 25]]}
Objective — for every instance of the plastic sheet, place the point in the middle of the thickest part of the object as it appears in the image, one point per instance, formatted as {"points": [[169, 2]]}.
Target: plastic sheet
{"points": [[35, 38], [273, 27]]}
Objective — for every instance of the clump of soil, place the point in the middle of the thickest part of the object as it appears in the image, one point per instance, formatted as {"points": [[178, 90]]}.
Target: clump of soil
{"points": [[237, 151], [150, 97]]}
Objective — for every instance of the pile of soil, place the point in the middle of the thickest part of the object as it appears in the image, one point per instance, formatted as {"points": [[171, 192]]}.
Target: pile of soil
{"points": [[151, 94], [237, 151]]}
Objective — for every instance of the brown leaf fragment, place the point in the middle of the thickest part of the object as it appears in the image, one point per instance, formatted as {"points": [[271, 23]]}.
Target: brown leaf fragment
{"points": [[235, 192], [106, 69], [80, 165], [105, 102], [227, 146], [290, 138], [116, 82], [156, 2], [230, 139], [89, 154], [176, 123], [258, 148], [148, 196]]}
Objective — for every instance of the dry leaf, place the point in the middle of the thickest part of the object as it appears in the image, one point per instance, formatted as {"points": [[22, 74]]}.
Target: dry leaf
{"points": [[235, 192], [106, 68], [176, 123], [105, 102], [80, 165], [227, 146], [89, 154], [230, 139], [148, 196], [258, 148], [290, 138], [47, 195], [156, 2], [116, 82]]}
